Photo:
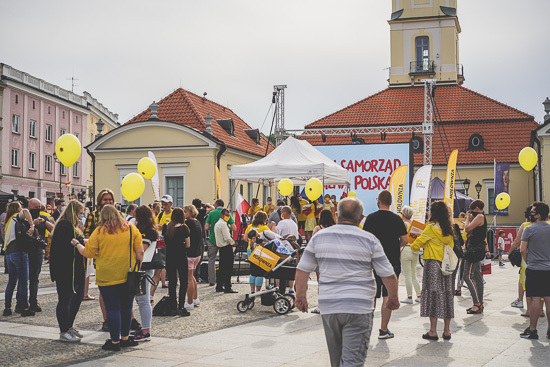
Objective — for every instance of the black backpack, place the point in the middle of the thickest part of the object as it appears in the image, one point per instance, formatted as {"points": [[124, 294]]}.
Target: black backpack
{"points": [[515, 258], [162, 308]]}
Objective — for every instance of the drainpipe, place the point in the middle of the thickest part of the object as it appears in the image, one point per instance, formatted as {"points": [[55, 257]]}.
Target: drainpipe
{"points": [[535, 140], [92, 155]]}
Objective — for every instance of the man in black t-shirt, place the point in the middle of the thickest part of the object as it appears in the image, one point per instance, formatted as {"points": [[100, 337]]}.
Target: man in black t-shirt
{"points": [[390, 230]]}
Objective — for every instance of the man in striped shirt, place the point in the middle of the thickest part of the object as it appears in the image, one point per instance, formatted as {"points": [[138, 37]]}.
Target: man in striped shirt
{"points": [[345, 256]]}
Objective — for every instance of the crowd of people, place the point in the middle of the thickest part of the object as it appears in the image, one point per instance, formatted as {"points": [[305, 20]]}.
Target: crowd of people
{"points": [[357, 260]]}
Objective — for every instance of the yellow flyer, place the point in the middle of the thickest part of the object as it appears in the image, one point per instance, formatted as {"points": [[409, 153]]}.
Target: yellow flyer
{"points": [[416, 230]]}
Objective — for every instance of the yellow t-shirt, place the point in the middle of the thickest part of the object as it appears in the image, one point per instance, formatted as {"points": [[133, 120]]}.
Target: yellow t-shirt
{"points": [[164, 219], [433, 241], [253, 210], [46, 215], [269, 208], [112, 254], [301, 217], [258, 229]]}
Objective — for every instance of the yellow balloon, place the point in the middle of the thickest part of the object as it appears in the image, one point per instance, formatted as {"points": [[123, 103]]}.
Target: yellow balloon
{"points": [[352, 194], [314, 188], [132, 186], [68, 149], [147, 168], [285, 187], [528, 158], [502, 201]]}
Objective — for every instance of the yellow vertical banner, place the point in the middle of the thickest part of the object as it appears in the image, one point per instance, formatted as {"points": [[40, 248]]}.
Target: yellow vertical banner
{"points": [[397, 188], [218, 183], [449, 193]]}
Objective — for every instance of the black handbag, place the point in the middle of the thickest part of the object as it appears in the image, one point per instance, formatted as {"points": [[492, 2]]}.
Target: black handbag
{"points": [[515, 257], [136, 280], [474, 253], [159, 257], [458, 242]]}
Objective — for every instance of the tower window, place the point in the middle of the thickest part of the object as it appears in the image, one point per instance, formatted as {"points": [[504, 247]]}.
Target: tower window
{"points": [[475, 143], [422, 54]]}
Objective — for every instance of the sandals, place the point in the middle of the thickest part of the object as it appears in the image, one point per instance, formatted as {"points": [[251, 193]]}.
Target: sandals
{"points": [[446, 337], [479, 310], [458, 293], [427, 336]]}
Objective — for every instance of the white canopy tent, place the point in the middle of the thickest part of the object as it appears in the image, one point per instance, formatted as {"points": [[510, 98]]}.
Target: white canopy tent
{"points": [[296, 160]]}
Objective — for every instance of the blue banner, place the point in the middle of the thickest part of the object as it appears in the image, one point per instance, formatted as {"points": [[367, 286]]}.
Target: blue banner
{"points": [[502, 181]]}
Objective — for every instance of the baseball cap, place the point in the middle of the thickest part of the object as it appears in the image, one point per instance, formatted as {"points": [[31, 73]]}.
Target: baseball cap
{"points": [[167, 199]]}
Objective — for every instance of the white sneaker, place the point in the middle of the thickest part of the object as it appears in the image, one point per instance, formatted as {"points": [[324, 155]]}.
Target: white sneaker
{"points": [[517, 303], [196, 302], [75, 332], [417, 300], [188, 307], [407, 301], [69, 338]]}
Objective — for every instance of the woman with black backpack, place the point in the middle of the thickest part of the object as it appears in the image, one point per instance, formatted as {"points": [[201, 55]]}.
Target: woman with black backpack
{"points": [[476, 250]]}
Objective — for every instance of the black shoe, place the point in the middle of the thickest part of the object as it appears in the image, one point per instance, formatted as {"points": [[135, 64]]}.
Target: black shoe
{"points": [[27, 312], [110, 346], [135, 325], [105, 327], [183, 312], [529, 334], [427, 336], [164, 286], [230, 291], [128, 343], [220, 290], [18, 309], [7, 312], [211, 284], [36, 308], [174, 312]]}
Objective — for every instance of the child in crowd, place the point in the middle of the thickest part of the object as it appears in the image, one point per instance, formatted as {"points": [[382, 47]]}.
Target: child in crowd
{"points": [[500, 247]]}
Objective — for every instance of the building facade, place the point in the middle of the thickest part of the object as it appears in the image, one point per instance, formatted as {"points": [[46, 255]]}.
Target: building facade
{"points": [[192, 138]]}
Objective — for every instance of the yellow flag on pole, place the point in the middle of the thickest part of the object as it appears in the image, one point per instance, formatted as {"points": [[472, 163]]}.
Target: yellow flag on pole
{"points": [[397, 188], [449, 193]]}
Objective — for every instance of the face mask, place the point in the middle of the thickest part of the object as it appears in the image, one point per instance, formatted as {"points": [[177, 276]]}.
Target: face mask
{"points": [[532, 218], [226, 218], [62, 207], [269, 203], [80, 217], [35, 213]]}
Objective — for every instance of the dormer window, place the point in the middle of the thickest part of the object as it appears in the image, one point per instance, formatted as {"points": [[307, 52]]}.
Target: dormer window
{"points": [[227, 125], [475, 143], [254, 134]]}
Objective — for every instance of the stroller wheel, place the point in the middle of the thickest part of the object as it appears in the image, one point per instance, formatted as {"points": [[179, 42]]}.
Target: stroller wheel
{"points": [[251, 305], [242, 306], [291, 299], [282, 306]]}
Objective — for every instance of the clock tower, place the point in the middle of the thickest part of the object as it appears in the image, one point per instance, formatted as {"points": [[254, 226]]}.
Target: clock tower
{"points": [[424, 42]]}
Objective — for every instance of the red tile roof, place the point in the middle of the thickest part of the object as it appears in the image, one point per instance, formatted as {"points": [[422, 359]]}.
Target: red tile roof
{"points": [[463, 112], [189, 109]]}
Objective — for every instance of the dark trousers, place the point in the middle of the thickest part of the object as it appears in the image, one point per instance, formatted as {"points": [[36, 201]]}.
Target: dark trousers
{"points": [[226, 268], [118, 304], [68, 303], [35, 267], [177, 269]]}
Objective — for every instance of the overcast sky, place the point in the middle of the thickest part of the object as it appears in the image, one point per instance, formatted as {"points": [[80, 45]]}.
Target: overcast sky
{"points": [[330, 53]]}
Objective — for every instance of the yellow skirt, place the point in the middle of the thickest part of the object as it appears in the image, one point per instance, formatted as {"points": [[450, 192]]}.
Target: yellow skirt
{"points": [[310, 224]]}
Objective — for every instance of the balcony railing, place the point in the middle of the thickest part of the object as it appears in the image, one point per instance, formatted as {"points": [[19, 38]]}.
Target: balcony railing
{"points": [[422, 67]]}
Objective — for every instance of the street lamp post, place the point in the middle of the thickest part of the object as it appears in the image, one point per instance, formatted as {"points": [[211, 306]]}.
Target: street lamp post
{"points": [[58, 161], [478, 188], [466, 184]]}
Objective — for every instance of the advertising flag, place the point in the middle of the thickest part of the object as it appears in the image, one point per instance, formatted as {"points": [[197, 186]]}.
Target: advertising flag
{"points": [[398, 181], [449, 193], [242, 208], [502, 181], [155, 182], [419, 192]]}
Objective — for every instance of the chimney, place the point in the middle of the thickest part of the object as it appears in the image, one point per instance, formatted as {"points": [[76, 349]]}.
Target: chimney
{"points": [[546, 105], [154, 110], [208, 121]]}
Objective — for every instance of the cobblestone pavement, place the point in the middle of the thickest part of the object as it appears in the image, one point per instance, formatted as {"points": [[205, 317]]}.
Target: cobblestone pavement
{"points": [[217, 311]]}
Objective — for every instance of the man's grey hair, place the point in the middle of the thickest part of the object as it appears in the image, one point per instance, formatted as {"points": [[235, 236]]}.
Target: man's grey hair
{"points": [[350, 209]]}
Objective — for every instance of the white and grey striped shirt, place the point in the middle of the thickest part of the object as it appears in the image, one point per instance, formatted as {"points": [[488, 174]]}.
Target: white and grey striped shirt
{"points": [[345, 256]]}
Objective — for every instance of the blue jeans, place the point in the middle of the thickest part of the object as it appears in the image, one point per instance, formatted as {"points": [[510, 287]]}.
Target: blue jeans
{"points": [[144, 304], [35, 267], [68, 303], [18, 270], [118, 304]]}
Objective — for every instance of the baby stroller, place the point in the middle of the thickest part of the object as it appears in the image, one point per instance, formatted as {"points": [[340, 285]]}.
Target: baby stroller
{"points": [[285, 270]]}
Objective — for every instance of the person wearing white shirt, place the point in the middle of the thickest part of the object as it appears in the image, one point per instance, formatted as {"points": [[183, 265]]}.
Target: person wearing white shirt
{"points": [[131, 211], [501, 235], [287, 226], [225, 243]]}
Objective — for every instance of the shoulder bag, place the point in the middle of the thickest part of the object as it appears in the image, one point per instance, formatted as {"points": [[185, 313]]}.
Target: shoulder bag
{"points": [[159, 257], [136, 280], [474, 252], [450, 260]]}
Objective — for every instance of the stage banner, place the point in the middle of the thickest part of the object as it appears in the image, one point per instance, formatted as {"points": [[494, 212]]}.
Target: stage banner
{"points": [[370, 167], [155, 182], [449, 193], [398, 180], [419, 192], [502, 180]]}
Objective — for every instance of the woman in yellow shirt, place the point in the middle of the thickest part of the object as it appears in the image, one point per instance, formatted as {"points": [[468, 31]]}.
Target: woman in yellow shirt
{"points": [[254, 207], [116, 245], [437, 289], [258, 225], [269, 207]]}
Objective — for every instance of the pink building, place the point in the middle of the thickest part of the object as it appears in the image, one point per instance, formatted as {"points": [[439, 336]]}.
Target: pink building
{"points": [[34, 114]]}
